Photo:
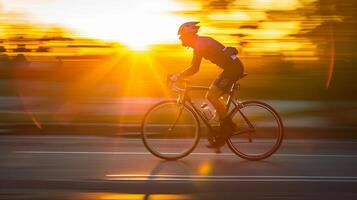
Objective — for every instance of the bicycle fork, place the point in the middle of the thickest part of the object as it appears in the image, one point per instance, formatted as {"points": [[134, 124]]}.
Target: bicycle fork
{"points": [[177, 119], [250, 128]]}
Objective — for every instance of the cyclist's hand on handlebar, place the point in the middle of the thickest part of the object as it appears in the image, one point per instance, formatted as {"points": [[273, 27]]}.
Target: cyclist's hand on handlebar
{"points": [[174, 77], [171, 78], [172, 81]]}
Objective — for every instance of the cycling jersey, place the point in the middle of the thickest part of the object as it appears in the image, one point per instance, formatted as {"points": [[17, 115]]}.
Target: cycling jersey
{"points": [[211, 50], [217, 53], [214, 51]]}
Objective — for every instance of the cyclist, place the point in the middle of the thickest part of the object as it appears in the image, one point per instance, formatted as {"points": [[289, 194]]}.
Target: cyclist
{"points": [[223, 57]]}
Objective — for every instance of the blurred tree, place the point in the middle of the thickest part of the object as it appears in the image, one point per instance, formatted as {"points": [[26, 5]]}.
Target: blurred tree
{"points": [[340, 31], [218, 4]]}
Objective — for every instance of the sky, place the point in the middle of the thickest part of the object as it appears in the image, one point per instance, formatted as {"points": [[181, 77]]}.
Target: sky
{"points": [[300, 34], [136, 23], [269, 27]]}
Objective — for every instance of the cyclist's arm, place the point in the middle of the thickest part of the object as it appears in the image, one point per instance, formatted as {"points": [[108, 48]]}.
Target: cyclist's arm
{"points": [[194, 68]]}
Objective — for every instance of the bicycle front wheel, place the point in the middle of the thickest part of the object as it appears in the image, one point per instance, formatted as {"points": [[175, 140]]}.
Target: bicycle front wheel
{"points": [[259, 131], [170, 130]]}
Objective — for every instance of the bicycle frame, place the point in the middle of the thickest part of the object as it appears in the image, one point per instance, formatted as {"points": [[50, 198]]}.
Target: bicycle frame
{"points": [[184, 98]]}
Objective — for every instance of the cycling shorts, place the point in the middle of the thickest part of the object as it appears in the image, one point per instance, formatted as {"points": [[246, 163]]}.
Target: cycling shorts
{"points": [[229, 76]]}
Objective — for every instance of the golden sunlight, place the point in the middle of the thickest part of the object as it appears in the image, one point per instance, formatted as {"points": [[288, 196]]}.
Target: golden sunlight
{"points": [[137, 23], [276, 4], [205, 168]]}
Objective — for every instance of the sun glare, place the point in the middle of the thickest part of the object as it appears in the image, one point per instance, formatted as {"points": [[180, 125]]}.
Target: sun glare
{"points": [[137, 23]]}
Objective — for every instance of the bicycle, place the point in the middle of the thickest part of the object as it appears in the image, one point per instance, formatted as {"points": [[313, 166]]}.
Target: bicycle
{"points": [[173, 125]]}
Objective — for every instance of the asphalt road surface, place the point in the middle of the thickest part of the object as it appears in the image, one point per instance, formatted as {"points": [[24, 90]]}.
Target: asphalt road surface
{"points": [[66, 167]]}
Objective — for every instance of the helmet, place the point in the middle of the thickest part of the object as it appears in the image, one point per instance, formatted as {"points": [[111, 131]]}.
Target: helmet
{"points": [[188, 28]]}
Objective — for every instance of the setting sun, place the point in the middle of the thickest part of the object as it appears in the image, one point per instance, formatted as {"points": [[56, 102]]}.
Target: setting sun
{"points": [[137, 24]]}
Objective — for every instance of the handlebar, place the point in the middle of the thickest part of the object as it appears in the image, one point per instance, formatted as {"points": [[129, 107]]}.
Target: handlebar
{"points": [[174, 87]]}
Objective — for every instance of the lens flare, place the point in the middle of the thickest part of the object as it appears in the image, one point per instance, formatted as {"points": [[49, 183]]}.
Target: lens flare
{"points": [[205, 168]]}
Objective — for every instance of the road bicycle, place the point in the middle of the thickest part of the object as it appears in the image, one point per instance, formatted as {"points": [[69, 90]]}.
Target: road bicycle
{"points": [[171, 129]]}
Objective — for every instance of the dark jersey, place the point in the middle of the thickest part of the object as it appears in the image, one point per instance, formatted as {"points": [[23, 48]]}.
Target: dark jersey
{"points": [[211, 50]]}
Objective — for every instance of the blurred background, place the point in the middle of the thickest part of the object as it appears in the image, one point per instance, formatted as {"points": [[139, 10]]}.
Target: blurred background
{"points": [[105, 62]]}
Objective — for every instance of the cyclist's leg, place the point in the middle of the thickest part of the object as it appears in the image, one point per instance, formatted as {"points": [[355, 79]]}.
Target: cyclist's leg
{"points": [[213, 95], [223, 84], [220, 86]]}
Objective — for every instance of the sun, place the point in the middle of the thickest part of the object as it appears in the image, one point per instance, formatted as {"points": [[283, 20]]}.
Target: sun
{"points": [[140, 31], [135, 23]]}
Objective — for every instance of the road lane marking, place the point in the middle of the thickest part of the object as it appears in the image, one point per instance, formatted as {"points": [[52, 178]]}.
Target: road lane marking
{"points": [[82, 152], [195, 153], [211, 178], [100, 138]]}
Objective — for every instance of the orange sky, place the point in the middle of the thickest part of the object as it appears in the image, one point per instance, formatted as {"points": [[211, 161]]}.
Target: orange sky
{"points": [[141, 23], [136, 23]]}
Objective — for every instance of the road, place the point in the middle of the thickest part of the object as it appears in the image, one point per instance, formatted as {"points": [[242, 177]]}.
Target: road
{"points": [[82, 167]]}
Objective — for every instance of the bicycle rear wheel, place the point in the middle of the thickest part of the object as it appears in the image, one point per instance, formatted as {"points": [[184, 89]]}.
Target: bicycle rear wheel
{"points": [[259, 131], [170, 130]]}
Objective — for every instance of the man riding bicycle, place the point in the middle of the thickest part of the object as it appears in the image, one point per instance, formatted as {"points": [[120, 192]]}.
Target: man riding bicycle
{"points": [[223, 57]]}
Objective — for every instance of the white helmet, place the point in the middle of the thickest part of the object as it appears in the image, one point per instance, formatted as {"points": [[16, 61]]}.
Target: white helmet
{"points": [[188, 28]]}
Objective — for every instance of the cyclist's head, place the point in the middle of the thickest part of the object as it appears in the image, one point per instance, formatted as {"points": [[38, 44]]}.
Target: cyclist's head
{"points": [[188, 28], [187, 31]]}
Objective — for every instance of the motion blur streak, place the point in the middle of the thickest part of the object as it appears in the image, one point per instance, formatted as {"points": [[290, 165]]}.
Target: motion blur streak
{"points": [[29, 112], [122, 196], [332, 60]]}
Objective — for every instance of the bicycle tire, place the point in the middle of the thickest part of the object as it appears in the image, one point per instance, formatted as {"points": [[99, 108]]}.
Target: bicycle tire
{"points": [[279, 139], [145, 132]]}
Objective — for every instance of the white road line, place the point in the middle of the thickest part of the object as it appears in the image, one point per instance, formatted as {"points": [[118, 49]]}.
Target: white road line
{"points": [[82, 152], [316, 155], [200, 154], [118, 139], [193, 178]]}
